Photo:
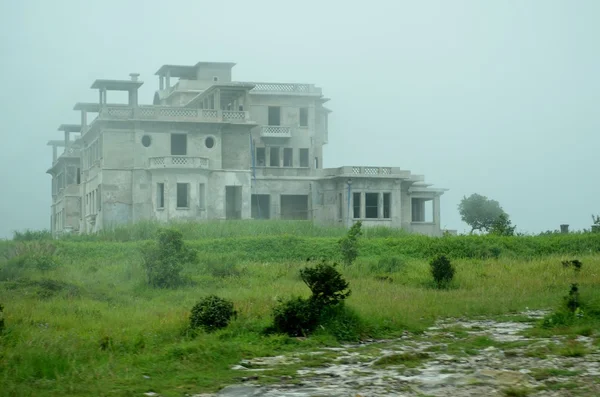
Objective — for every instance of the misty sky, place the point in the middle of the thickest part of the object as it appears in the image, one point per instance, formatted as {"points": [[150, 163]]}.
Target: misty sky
{"points": [[498, 97]]}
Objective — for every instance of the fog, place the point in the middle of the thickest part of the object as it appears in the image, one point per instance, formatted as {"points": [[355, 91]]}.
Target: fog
{"points": [[499, 98]]}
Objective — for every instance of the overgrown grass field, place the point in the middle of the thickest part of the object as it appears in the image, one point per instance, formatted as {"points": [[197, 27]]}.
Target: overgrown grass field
{"points": [[90, 325]]}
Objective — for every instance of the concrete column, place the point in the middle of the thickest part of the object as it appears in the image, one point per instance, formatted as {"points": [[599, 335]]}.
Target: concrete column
{"points": [[168, 79], [54, 153], [380, 205], [161, 84], [363, 205], [436, 210], [217, 96], [83, 119], [67, 138], [133, 97]]}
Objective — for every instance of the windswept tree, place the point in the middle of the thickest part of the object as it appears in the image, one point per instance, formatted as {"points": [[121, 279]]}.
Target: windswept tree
{"points": [[480, 213]]}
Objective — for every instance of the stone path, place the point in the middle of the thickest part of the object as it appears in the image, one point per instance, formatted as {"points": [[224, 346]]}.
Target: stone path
{"points": [[456, 357]]}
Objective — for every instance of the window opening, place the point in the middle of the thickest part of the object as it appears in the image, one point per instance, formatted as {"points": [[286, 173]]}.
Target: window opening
{"points": [[356, 204], [303, 117], [287, 157], [303, 157], [387, 205], [178, 144], [371, 205], [160, 195], [209, 142], [274, 159], [146, 140], [182, 195], [274, 115], [260, 156]]}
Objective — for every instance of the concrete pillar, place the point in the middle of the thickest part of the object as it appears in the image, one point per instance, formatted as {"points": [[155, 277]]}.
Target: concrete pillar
{"points": [[54, 153], [83, 119], [436, 210], [217, 96], [161, 84], [380, 205], [67, 139], [363, 205], [168, 79], [133, 100], [564, 229]]}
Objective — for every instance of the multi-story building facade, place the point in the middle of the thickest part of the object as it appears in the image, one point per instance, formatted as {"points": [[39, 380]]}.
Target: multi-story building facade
{"points": [[213, 148]]}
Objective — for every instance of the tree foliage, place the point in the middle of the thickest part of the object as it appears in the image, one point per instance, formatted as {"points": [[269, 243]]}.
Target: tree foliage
{"points": [[164, 261], [502, 226], [349, 244], [327, 285], [479, 212]]}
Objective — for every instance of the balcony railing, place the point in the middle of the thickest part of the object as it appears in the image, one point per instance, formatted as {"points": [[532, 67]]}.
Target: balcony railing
{"points": [[290, 88], [167, 113], [178, 162], [275, 131]]}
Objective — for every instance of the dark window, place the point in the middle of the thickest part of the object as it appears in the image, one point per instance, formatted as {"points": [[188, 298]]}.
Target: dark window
{"points": [[178, 144], [201, 196], [209, 142], [78, 176], [146, 140], [356, 204], [387, 198], [303, 157], [303, 117], [372, 205], [160, 195], [316, 163], [274, 160], [340, 206], [215, 78], [261, 206], [287, 157], [241, 108], [274, 115], [182, 195], [260, 157]]}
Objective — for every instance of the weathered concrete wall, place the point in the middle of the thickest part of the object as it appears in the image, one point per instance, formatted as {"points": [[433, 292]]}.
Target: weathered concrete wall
{"points": [[235, 148]]}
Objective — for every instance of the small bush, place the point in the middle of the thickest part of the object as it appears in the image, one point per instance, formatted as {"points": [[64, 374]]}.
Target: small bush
{"points": [[212, 313], [442, 271], [572, 302], [342, 322], [221, 267], [164, 261], [575, 264], [296, 317], [327, 285], [1, 318], [349, 244]]}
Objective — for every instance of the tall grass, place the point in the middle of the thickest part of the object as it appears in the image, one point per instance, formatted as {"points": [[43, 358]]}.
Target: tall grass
{"points": [[91, 325]]}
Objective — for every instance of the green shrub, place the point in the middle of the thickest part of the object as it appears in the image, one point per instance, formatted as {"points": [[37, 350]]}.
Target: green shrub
{"points": [[442, 271], [1, 318], [349, 244], [296, 317], [342, 322], [327, 285], [299, 316], [572, 302], [32, 235], [575, 264], [163, 262], [212, 313]]}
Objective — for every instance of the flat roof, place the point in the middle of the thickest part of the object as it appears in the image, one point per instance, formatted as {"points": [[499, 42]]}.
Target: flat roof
{"points": [[70, 127], [117, 85], [188, 72], [87, 106], [56, 143]]}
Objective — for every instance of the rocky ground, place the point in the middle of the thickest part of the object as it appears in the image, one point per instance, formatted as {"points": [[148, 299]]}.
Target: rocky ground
{"points": [[456, 357]]}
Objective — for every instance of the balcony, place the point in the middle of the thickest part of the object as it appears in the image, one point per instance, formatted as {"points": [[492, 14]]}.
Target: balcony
{"points": [[168, 113], [177, 162], [283, 88], [275, 131]]}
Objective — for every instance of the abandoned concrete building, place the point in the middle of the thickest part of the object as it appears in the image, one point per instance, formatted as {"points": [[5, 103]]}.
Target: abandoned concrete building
{"points": [[213, 148]]}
